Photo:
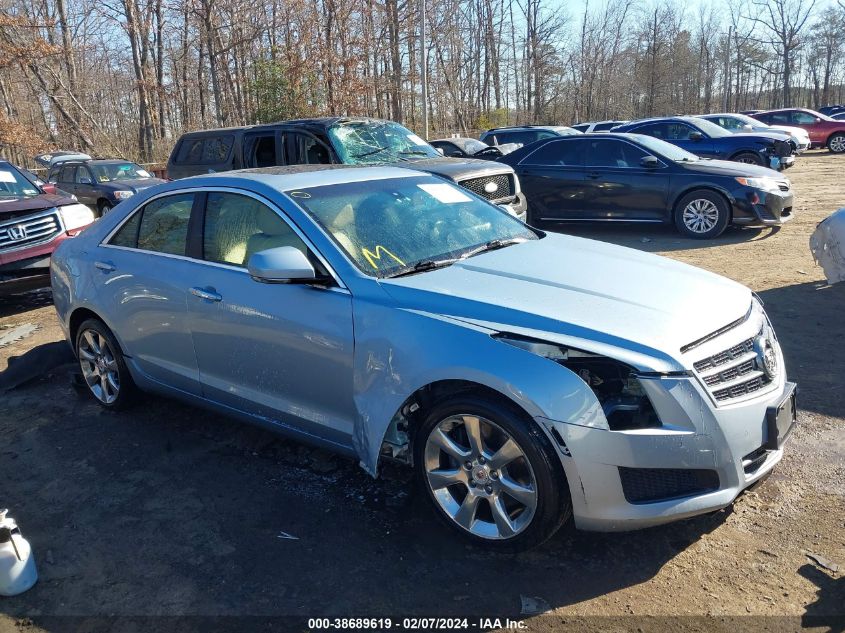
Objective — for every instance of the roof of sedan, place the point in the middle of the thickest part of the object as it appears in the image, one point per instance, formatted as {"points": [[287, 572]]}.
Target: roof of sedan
{"points": [[303, 176]]}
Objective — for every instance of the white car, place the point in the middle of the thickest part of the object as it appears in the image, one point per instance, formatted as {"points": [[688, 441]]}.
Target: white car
{"points": [[742, 123]]}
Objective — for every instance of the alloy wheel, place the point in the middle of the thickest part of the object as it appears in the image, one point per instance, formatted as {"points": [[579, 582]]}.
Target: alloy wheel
{"points": [[837, 144], [99, 366], [701, 215], [480, 477]]}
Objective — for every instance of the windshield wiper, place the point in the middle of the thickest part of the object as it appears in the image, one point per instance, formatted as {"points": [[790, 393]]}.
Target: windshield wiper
{"points": [[492, 245], [415, 153], [423, 266], [375, 151]]}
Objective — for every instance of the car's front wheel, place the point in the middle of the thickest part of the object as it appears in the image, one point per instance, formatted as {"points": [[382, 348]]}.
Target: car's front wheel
{"points": [[490, 473], [748, 158], [702, 214], [836, 143], [103, 367], [103, 207]]}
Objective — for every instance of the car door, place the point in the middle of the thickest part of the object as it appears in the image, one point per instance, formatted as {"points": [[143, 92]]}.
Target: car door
{"points": [[692, 139], [85, 189], [552, 179], [620, 187], [281, 352], [144, 275]]}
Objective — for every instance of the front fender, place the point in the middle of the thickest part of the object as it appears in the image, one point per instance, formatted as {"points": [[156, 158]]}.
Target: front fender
{"points": [[397, 352]]}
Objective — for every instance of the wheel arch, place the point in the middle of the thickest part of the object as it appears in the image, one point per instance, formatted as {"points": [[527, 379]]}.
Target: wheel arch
{"points": [[398, 438], [703, 187], [81, 314]]}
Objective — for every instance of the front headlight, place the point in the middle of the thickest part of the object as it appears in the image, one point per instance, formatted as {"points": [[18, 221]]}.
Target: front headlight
{"points": [[76, 216], [123, 195], [615, 384], [766, 184]]}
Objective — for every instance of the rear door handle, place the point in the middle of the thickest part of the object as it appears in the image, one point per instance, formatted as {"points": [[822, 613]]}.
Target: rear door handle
{"points": [[106, 267], [208, 295], [593, 175]]}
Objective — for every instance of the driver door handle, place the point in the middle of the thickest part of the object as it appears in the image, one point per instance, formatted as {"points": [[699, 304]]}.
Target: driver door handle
{"points": [[208, 295], [106, 267]]}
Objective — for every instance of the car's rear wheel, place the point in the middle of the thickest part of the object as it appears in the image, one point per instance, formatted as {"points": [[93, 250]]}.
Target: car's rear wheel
{"points": [[836, 143], [702, 214], [103, 367], [490, 473], [749, 158]]}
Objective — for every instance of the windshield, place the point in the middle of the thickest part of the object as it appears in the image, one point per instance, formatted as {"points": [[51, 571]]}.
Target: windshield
{"points": [[106, 172], [371, 142], [472, 146], [388, 227], [667, 150], [13, 184], [711, 129]]}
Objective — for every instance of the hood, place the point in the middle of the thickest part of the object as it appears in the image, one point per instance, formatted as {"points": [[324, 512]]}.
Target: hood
{"points": [[730, 168], [458, 168], [633, 306], [134, 184], [795, 131], [17, 206], [767, 136]]}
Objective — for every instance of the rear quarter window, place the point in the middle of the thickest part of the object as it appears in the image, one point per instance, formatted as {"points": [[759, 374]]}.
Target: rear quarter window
{"points": [[204, 150]]}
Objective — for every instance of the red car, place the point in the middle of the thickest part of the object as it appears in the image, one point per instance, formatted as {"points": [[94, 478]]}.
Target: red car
{"points": [[32, 224], [824, 131]]}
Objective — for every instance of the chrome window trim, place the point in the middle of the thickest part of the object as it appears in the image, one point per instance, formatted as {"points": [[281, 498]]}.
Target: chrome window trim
{"points": [[234, 190], [624, 140]]}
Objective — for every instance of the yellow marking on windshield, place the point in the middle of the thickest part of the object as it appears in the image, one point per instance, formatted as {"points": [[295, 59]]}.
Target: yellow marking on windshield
{"points": [[380, 250]]}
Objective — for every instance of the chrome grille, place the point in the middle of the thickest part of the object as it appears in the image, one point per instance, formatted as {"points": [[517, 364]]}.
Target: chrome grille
{"points": [[30, 230], [742, 389], [735, 372], [725, 357], [503, 182]]}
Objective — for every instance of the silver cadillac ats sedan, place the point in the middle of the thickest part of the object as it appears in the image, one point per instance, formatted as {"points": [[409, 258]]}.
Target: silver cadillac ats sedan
{"points": [[389, 315]]}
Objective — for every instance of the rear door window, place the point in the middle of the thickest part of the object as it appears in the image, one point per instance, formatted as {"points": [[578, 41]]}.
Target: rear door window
{"points": [[163, 225], [262, 150], [562, 153], [67, 173]]}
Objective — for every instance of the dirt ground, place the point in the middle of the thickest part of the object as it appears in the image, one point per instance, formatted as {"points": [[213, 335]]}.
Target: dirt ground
{"points": [[169, 518]]}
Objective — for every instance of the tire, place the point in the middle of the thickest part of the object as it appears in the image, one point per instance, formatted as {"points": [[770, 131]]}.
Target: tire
{"points": [[103, 207], [836, 143], [702, 214], [450, 472], [103, 368], [749, 158]]}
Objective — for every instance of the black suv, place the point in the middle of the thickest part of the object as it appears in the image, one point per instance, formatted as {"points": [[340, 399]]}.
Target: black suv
{"points": [[101, 183], [338, 140]]}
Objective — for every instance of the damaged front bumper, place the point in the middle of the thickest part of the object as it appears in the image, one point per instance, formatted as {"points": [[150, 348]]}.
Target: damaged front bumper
{"points": [[701, 458], [758, 207]]}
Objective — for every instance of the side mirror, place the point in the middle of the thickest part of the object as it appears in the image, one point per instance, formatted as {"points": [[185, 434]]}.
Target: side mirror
{"points": [[747, 126], [696, 136], [86, 181], [649, 161], [282, 265]]}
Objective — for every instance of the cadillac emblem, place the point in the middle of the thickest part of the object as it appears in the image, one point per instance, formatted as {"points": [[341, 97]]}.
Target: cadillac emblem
{"points": [[491, 187]]}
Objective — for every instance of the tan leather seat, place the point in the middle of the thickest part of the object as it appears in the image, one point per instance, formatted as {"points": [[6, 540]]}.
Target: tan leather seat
{"points": [[273, 232]]}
